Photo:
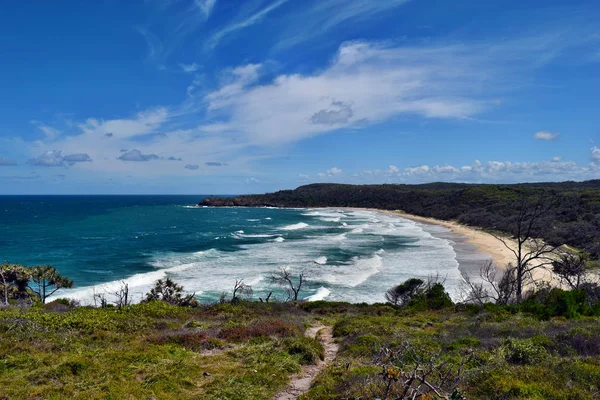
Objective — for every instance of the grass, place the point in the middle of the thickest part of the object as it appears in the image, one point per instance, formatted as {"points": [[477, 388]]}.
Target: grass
{"points": [[250, 350]]}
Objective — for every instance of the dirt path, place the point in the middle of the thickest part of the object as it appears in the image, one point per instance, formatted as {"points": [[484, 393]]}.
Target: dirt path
{"points": [[300, 382]]}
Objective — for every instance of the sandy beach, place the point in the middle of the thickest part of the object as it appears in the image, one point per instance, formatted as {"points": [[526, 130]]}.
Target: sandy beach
{"points": [[482, 242]]}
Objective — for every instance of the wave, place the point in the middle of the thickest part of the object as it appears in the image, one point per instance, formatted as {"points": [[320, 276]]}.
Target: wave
{"points": [[354, 274], [320, 260], [320, 294], [336, 219], [279, 239], [293, 227]]}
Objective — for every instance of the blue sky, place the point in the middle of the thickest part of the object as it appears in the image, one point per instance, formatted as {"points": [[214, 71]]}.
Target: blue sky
{"points": [[224, 96]]}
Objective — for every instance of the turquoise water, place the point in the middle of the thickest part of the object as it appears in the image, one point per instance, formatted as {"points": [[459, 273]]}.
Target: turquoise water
{"points": [[99, 241]]}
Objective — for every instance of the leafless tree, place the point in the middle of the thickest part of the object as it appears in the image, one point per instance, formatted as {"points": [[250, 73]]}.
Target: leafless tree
{"points": [[409, 373], [572, 269], [100, 298], [531, 253], [266, 300], [283, 277], [122, 296], [241, 289], [498, 286]]}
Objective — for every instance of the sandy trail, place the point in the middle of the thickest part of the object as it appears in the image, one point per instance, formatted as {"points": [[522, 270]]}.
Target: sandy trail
{"points": [[300, 382]]}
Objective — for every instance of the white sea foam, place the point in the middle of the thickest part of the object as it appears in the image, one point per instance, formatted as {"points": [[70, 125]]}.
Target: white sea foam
{"points": [[354, 274], [268, 218], [336, 219], [293, 227], [320, 294], [382, 261], [321, 260]]}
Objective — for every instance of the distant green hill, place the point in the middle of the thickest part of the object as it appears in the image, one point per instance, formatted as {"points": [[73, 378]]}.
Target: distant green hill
{"points": [[575, 220]]}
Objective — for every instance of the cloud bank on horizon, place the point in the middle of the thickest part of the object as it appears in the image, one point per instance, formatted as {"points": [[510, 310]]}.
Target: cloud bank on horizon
{"points": [[208, 96]]}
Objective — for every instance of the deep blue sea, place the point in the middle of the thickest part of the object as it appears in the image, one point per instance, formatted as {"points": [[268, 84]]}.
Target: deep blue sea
{"points": [[100, 241]]}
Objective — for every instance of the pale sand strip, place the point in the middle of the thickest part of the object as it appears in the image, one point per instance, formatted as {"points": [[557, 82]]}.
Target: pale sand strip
{"points": [[483, 241]]}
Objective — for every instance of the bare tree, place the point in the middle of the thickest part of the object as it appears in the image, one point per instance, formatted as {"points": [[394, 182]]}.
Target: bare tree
{"points": [[6, 277], [531, 253], [283, 277], [495, 285], [266, 300], [122, 296], [409, 373], [101, 298], [241, 289], [572, 269]]}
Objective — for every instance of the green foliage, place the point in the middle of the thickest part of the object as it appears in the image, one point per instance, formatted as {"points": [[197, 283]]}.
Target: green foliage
{"points": [[307, 349], [524, 351], [557, 302], [434, 297], [170, 292], [404, 293]]}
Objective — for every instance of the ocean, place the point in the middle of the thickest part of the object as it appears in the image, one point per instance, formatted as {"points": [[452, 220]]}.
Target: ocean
{"points": [[101, 241]]}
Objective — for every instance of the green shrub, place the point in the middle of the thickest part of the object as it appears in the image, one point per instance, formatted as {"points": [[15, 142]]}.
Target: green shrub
{"points": [[557, 302], [523, 351], [433, 298], [308, 349]]}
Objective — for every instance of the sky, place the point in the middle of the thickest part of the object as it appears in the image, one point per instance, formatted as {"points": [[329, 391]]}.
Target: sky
{"points": [[228, 97]]}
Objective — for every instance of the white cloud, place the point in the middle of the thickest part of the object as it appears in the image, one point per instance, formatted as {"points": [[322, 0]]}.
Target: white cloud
{"points": [[595, 153], [206, 6], [420, 170], [137, 156], [189, 67], [365, 84], [502, 171], [243, 22], [392, 170], [313, 22], [446, 169], [333, 171], [54, 158], [545, 135]]}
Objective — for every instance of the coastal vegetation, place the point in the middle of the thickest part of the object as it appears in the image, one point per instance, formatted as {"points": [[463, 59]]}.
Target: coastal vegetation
{"points": [[548, 347]]}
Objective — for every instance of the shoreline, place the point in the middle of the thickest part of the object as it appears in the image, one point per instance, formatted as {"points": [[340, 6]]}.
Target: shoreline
{"points": [[481, 242]]}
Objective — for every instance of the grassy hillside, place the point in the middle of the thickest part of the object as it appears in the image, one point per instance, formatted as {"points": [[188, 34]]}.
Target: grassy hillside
{"points": [[249, 351], [574, 219]]}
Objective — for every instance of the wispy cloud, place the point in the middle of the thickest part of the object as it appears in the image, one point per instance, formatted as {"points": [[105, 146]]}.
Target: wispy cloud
{"points": [[54, 158], [595, 154], [322, 16], [545, 135], [497, 171], [206, 6], [193, 67], [244, 22]]}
